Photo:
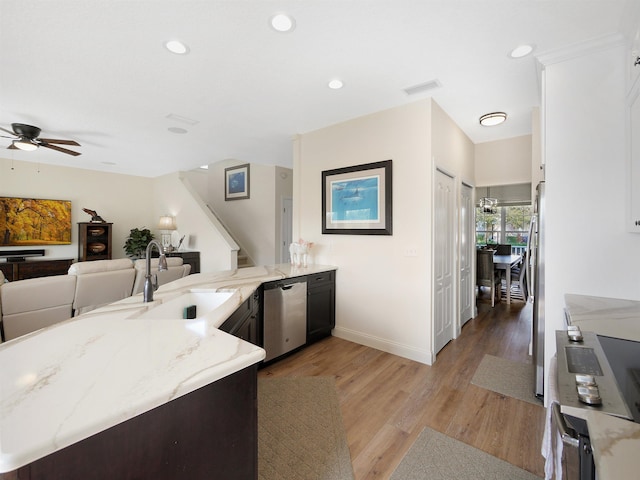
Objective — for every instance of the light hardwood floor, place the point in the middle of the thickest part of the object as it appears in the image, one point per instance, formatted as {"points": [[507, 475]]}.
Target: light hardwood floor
{"points": [[387, 400]]}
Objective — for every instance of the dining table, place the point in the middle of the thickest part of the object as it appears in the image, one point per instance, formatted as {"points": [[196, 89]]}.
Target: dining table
{"points": [[506, 263]]}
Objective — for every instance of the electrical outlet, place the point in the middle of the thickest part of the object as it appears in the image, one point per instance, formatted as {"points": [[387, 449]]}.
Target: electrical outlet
{"points": [[411, 252]]}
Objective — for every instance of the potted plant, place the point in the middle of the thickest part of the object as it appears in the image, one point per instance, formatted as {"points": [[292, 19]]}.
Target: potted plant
{"points": [[136, 244]]}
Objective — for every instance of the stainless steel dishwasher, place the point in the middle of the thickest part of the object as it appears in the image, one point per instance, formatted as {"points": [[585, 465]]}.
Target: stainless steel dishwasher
{"points": [[285, 316]]}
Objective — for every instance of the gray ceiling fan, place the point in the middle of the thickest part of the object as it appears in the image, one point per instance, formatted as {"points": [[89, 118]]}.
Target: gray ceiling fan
{"points": [[26, 137]]}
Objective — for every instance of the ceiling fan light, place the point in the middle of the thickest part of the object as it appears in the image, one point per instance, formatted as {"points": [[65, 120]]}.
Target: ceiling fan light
{"points": [[492, 119], [25, 144]]}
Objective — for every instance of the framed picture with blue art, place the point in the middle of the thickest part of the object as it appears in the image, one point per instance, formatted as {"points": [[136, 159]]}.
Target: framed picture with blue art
{"points": [[236, 182], [357, 200]]}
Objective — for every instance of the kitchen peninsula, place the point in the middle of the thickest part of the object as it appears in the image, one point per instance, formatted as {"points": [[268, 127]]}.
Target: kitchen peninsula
{"points": [[132, 390]]}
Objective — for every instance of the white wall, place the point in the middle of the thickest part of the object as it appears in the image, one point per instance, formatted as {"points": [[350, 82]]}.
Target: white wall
{"points": [[125, 200], [503, 162], [588, 250], [383, 297]]}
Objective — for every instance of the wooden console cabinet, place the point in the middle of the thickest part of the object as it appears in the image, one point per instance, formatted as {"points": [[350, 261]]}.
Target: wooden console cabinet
{"points": [[35, 268], [94, 241], [192, 258]]}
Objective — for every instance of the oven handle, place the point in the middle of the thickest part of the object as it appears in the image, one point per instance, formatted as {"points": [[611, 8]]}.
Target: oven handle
{"points": [[567, 434]]}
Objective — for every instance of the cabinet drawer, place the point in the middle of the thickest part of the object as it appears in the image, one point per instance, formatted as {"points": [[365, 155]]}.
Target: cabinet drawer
{"points": [[317, 279]]}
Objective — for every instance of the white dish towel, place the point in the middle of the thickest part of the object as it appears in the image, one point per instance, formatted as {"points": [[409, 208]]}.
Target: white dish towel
{"points": [[551, 444]]}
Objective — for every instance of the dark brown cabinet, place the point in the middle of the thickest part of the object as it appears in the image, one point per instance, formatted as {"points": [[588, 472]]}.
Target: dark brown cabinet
{"points": [[245, 322], [192, 258], [321, 305], [35, 268], [211, 432], [94, 241]]}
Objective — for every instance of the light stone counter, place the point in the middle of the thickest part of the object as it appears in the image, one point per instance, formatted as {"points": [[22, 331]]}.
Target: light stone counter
{"points": [[616, 446], [611, 317], [72, 380]]}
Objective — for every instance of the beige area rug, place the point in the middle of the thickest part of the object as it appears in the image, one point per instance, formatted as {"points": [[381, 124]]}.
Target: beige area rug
{"points": [[435, 456], [300, 431], [513, 379]]}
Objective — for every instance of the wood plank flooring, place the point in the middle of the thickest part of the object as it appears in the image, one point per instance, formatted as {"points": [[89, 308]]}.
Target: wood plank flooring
{"points": [[387, 400]]}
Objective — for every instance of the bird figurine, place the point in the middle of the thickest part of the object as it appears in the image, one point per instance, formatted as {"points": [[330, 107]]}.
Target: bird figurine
{"points": [[94, 215]]}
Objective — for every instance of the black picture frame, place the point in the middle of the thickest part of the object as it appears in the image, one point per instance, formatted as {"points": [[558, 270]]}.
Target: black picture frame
{"points": [[237, 182], [357, 200]]}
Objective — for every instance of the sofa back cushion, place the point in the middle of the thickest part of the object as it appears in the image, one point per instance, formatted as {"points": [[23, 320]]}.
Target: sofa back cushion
{"points": [[34, 303], [175, 269], [101, 282]]}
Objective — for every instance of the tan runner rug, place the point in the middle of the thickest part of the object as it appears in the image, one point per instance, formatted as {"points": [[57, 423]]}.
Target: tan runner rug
{"points": [[435, 456], [513, 379], [300, 431]]}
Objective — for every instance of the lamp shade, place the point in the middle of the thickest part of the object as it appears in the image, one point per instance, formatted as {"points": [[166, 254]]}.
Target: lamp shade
{"points": [[167, 222]]}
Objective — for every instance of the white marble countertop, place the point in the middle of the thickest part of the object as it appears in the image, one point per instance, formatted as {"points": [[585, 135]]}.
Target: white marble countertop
{"points": [[616, 446], [612, 317], [72, 380]]}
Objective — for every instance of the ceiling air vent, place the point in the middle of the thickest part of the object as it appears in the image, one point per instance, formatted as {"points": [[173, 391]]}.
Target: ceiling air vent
{"points": [[423, 87]]}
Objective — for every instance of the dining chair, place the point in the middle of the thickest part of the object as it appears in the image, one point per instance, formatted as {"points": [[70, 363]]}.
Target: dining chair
{"points": [[519, 281], [486, 274]]}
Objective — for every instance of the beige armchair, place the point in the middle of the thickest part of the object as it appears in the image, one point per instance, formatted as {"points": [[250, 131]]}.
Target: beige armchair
{"points": [[34, 303], [175, 269], [101, 282]]}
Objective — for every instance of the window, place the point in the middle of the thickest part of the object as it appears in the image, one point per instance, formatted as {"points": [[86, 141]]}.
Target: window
{"points": [[509, 225]]}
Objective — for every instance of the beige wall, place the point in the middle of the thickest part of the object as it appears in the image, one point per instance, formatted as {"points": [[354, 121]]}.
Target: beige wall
{"points": [[173, 197], [253, 222], [503, 162], [383, 296], [125, 200]]}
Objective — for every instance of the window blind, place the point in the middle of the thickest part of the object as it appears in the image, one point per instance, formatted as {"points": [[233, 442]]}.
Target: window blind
{"points": [[507, 195]]}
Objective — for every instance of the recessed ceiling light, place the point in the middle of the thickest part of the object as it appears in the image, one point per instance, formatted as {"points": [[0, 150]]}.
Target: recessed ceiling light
{"points": [[281, 22], [177, 47], [177, 130], [108, 163], [492, 119], [521, 51], [204, 167], [336, 84]]}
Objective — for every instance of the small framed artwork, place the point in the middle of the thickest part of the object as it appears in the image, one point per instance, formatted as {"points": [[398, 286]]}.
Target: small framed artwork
{"points": [[236, 182], [357, 200]]}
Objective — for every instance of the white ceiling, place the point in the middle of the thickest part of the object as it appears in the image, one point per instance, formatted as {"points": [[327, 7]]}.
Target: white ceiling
{"points": [[96, 71]]}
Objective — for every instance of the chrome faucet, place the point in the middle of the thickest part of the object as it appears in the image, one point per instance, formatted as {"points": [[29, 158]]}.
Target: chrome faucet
{"points": [[149, 286]]}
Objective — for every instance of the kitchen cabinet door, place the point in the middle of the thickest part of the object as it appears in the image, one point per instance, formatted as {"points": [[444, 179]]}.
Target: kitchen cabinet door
{"points": [[321, 305]]}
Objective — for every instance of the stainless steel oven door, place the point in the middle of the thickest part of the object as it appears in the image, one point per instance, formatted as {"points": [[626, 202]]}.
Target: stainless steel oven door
{"points": [[577, 461]]}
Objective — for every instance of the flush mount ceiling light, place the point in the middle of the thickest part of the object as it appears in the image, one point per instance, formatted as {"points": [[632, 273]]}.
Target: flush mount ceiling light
{"points": [[283, 23], [177, 47], [521, 51], [25, 144], [492, 119], [336, 84]]}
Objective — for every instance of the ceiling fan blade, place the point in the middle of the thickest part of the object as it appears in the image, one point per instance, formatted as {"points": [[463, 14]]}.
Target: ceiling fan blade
{"points": [[61, 142], [60, 149], [8, 131], [12, 147]]}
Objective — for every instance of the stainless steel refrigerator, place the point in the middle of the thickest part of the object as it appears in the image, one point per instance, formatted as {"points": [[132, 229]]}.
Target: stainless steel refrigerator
{"points": [[535, 265]]}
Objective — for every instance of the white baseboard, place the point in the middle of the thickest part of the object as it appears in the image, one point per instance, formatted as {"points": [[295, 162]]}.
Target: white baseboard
{"points": [[406, 351]]}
